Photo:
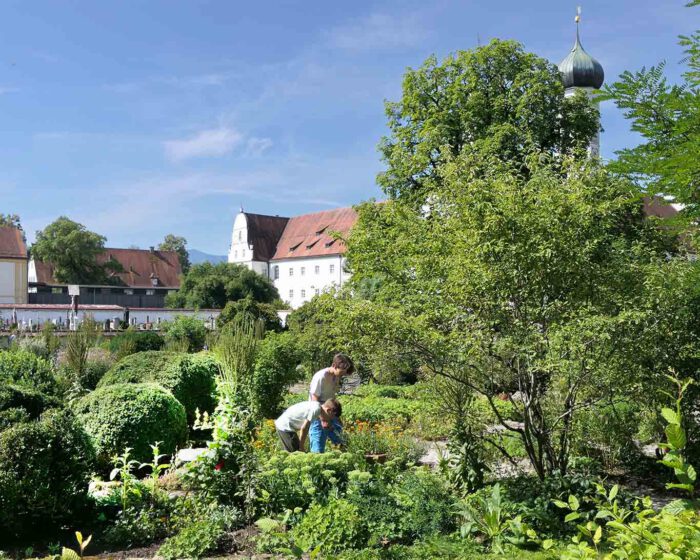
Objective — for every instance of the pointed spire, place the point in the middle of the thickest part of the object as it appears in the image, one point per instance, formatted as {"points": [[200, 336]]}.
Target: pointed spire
{"points": [[242, 208]]}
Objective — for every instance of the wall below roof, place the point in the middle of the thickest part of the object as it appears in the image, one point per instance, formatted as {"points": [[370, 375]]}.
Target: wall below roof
{"points": [[13, 281]]}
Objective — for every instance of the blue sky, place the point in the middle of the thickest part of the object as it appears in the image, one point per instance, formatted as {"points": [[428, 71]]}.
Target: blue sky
{"points": [[142, 118]]}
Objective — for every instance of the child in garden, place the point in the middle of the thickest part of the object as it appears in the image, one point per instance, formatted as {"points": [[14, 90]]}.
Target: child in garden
{"points": [[293, 425], [324, 385]]}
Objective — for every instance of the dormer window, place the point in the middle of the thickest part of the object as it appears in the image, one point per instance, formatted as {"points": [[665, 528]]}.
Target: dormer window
{"points": [[320, 231], [294, 247], [329, 243], [312, 244]]}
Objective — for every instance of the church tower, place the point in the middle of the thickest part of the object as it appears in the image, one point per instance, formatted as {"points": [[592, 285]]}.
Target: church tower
{"points": [[580, 70]]}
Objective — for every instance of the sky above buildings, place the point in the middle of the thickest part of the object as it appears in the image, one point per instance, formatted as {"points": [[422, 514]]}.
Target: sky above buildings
{"points": [[141, 118]]}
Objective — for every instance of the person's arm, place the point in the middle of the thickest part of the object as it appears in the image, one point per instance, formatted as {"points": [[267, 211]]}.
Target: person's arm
{"points": [[303, 433]]}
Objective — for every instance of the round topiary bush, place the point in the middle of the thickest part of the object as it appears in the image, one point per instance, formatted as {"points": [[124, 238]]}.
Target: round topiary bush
{"points": [[26, 368], [189, 377], [132, 415], [45, 468], [19, 403]]}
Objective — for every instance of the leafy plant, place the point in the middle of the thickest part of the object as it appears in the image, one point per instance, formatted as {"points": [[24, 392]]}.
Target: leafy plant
{"points": [[70, 554], [329, 528], [78, 345], [186, 328]]}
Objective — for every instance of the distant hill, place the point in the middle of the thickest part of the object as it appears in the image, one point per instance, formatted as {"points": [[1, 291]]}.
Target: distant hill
{"points": [[197, 257]]}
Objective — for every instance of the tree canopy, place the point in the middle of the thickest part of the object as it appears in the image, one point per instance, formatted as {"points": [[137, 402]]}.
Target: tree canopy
{"points": [[212, 286], [496, 98], [72, 250], [179, 245], [667, 117]]}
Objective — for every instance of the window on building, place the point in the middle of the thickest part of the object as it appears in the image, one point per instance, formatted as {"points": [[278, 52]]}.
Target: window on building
{"points": [[276, 272], [303, 293], [128, 291], [240, 235], [303, 270], [56, 290], [243, 253], [317, 269], [235, 254], [291, 271], [332, 268], [150, 292], [318, 291], [291, 294]]}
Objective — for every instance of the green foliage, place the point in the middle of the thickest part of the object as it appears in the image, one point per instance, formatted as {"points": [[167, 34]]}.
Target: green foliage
{"points": [[132, 415], [186, 329], [211, 286], [194, 541], [132, 341], [73, 251], [45, 467], [295, 480], [19, 403], [275, 370], [179, 245], [365, 438], [667, 117], [26, 368], [266, 312], [78, 345], [10, 220], [189, 377], [330, 528], [493, 98]]}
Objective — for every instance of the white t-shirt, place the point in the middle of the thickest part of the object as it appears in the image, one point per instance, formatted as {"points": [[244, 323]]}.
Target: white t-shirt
{"points": [[324, 385], [293, 418]]}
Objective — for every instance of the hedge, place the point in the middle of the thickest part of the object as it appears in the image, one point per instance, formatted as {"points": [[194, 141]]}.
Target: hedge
{"points": [[45, 468], [132, 415], [22, 367], [20, 403], [189, 377], [135, 341]]}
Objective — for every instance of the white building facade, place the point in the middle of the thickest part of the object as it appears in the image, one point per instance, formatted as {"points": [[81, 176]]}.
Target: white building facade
{"points": [[303, 255]]}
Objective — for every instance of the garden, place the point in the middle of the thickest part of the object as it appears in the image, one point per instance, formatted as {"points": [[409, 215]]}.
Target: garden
{"points": [[526, 339]]}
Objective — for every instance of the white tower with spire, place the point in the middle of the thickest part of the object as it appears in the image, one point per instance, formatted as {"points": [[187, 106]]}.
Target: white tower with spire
{"points": [[580, 71]]}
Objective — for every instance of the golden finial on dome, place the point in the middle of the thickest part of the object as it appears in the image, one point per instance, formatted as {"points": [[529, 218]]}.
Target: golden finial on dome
{"points": [[577, 19]]}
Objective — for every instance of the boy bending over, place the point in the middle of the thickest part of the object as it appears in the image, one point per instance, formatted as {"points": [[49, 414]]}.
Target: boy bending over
{"points": [[293, 425]]}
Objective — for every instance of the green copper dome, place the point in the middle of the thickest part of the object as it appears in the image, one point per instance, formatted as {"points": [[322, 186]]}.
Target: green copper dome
{"points": [[580, 69]]}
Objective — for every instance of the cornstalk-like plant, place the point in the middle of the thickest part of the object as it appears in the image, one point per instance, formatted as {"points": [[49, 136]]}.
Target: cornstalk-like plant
{"points": [[79, 343], [236, 347]]}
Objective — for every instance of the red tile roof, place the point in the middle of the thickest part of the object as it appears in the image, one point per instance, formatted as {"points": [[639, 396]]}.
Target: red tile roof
{"points": [[12, 245], [140, 266], [264, 233], [309, 235], [658, 207]]}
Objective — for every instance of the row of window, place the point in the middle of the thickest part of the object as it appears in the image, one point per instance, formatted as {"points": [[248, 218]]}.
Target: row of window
{"points": [[303, 293], [302, 270], [235, 254]]}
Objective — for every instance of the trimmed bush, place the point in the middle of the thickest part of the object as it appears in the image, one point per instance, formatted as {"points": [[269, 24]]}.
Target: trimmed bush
{"points": [[189, 377], [45, 468], [130, 342], [132, 415], [186, 329], [19, 403], [22, 367]]}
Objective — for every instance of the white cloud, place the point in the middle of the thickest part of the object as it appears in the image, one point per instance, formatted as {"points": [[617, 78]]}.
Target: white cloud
{"points": [[378, 31], [257, 146], [207, 143]]}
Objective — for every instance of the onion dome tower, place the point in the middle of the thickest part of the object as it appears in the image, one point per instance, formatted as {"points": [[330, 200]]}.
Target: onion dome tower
{"points": [[580, 71]]}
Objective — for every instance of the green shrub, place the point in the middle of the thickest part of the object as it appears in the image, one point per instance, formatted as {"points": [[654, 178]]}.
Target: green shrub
{"points": [[187, 329], [35, 345], [275, 370], [291, 480], [131, 341], [26, 368], [45, 467], [189, 377], [132, 415], [330, 528], [18, 403]]}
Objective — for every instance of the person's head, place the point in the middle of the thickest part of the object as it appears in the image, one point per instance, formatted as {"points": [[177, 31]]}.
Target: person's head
{"points": [[342, 365], [333, 408]]}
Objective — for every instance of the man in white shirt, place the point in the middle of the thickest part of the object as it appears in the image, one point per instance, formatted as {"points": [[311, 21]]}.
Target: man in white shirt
{"points": [[293, 425], [326, 382]]}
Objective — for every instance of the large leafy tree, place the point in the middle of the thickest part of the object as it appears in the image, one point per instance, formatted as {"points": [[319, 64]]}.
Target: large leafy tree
{"points": [[496, 98], [179, 245], [211, 286], [667, 117], [535, 284], [72, 250]]}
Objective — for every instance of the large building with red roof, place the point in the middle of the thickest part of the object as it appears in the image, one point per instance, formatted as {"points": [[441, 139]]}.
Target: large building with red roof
{"points": [[302, 255], [13, 266]]}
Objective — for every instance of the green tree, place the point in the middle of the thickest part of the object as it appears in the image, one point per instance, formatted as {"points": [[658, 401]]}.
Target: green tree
{"points": [[496, 98], [72, 250], [667, 117], [12, 220], [179, 245], [531, 283], [266, 312], [211, 286]]}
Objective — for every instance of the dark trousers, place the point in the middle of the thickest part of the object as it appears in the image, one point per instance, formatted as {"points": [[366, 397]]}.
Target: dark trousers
{"points": [[290, 440]]}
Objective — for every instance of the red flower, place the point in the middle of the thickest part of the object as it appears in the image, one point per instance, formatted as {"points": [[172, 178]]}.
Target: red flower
{"points": [[219, 465]]}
